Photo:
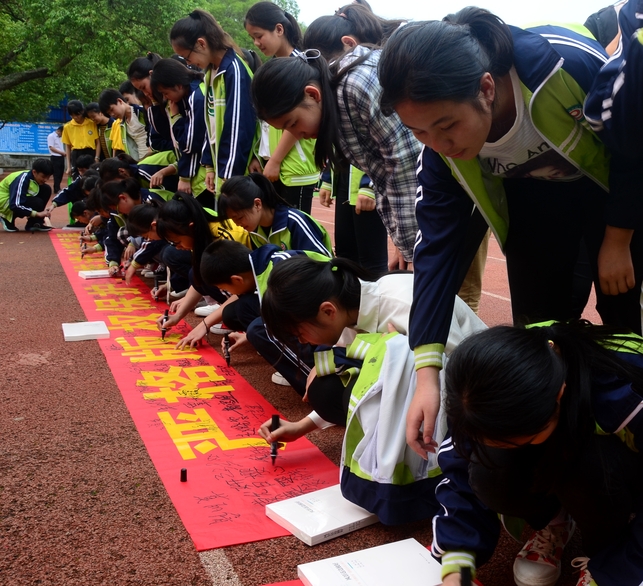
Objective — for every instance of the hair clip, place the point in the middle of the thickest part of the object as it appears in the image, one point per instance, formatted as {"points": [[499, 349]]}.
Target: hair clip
{"points": [[550, 343], [334, 268], [309, 54]]}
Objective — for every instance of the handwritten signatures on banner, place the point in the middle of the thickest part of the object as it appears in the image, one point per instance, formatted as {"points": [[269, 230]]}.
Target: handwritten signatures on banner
{"points": [[193, 410]]}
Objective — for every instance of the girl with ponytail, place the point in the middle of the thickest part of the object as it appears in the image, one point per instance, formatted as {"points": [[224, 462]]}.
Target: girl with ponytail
{"points": [[545, 426], [341, 110], [499, 110], [231, 122], [329, 303], [252, 202], [287, 161]]}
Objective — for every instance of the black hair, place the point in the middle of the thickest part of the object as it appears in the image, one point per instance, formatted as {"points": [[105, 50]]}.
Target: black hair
{"points": [[43, 165], [78, 207], [90, 180], [252, 59], [444, 60], [222, 259], [92, 107], [279, 87], [325, 33], [299, 285], [127, 88], [140, 218], [175, 217], [93, 199], [110, 191], [75, 107], [61, 128], [141, 66], [108, 98], [267, 15], [502, 383], [110, 168], [170, 72], [238, 193], [84, 162], [201, 24]]}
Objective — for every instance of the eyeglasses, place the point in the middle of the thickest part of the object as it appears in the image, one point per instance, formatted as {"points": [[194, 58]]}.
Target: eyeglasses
{"points": [[190, 53]]}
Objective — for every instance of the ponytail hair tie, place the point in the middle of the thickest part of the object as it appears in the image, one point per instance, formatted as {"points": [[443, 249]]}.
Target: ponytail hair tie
{"points": [[334, 268], [309, 54], [550, 343]]}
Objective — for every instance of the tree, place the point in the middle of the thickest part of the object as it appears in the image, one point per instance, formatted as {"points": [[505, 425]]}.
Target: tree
{"points": [[52, 48]]}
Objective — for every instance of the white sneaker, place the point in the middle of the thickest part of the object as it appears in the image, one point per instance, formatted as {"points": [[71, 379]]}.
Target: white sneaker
{"points": [[178, 294], [220, 329], [538, 562], [279, 379], [206, 310]]}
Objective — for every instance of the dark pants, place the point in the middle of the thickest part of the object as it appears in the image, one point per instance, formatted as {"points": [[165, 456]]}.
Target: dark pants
{"points": [[59, 170], [38, 203], [360, 237], [600, 490], [328, 396], [240, 314], [300, 196], [548, 222], [179, 262], [294, 365]]}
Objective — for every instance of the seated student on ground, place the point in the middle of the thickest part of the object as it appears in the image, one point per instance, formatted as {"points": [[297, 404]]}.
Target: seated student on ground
{"points": [[104, 126], [141, 221], [132, 125], [118, 198], [122, 166], [328, 303], [188, 226], [24, 194], [231, 267], [546, 426], [80, 136], [96, 229], [77, 189]]}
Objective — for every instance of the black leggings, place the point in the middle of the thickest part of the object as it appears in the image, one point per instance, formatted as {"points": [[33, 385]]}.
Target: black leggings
{"points": [[549, 221]]}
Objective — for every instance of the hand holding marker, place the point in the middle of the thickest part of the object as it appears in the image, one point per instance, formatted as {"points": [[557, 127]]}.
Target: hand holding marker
{"points": [[275, 445], [166, 315]]}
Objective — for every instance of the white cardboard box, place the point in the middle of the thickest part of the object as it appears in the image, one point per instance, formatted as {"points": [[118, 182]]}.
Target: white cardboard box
{"points": [[400, 563], [319, 516], [99, 274], [85, 330]]}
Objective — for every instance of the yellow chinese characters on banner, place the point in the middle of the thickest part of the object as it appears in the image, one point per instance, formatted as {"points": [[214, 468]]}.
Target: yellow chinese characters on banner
{"points": [[200, 427], [153, 349], [183, 383]]}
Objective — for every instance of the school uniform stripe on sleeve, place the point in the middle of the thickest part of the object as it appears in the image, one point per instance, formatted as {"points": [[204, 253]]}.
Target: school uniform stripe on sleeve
{"points": [[236, 116], [314, 241]]}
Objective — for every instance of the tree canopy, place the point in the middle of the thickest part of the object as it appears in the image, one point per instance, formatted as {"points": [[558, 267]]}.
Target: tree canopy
{"points": [[53, 48]]}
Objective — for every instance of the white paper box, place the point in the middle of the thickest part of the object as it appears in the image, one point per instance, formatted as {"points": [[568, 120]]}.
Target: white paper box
{"points": [[85, 330], [400, 563], [99, 274], [319, 516]]}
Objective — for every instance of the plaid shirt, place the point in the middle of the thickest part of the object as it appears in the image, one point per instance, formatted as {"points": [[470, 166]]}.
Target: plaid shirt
{"points": [[380, 146]]}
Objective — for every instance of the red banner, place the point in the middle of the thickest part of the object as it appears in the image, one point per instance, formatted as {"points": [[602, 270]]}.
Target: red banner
{"points": [[194, 413]]}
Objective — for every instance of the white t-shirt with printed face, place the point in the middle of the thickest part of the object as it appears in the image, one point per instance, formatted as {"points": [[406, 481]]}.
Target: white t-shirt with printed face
{"points": [[523, 153]]}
